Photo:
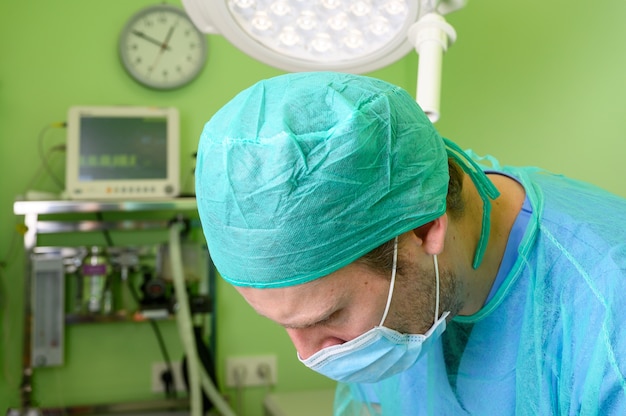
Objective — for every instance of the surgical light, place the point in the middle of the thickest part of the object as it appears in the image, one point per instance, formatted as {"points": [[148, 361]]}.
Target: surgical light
{"points": [[338, 35]]}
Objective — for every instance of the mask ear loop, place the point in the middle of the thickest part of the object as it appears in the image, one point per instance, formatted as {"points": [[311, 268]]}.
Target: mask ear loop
{"points": [[437, 280], [393, 280]]}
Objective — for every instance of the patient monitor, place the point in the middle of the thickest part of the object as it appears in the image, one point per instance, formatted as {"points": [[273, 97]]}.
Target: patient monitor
{"points": [[122, 153]]}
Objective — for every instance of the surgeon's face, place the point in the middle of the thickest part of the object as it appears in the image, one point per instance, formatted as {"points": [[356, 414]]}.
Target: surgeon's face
{"points": [[326, 311], [345, 304]]}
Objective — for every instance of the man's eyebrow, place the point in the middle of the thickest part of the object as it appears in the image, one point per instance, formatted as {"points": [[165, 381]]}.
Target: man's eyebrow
{"points": [[324, 317]]}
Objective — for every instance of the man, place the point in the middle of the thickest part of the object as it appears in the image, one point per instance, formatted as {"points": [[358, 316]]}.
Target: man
{"points": [[336, 209]]}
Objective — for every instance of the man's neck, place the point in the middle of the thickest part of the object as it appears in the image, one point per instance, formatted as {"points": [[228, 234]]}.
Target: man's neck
{"points": [[504, 211]]}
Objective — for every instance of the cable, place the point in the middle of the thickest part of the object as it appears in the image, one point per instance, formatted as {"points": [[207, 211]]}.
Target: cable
{"points": [[105, 232], [186, 182], [41, 168], [170, 389], [168, 376], [44, 161], [206, 362], [7, 305], [6, 328]]}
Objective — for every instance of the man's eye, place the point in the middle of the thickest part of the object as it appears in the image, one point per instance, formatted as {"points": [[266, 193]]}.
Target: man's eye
{"points": [[330, 318]]}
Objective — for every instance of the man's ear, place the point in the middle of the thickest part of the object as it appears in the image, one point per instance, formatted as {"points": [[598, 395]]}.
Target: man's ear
{"points": [[432, 234]]}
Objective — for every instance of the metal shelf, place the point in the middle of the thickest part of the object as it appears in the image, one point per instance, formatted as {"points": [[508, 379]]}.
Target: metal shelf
{"points": [[47, 217], [32, 210], [64, 206]]}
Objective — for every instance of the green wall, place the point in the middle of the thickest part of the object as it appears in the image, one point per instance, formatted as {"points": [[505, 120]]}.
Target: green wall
{"points": [[532, 83], [541, 83], [56, 54]]}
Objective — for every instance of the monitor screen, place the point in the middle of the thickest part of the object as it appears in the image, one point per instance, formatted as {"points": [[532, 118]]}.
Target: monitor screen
{"points": [[122, 152], [122, 148]]}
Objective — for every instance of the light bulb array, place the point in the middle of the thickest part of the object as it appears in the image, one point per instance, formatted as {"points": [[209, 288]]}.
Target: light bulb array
{"points": [[332, 30]]}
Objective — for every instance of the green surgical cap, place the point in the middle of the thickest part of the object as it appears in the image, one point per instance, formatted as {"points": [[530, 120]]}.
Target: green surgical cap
{"points": [[301, 174]]}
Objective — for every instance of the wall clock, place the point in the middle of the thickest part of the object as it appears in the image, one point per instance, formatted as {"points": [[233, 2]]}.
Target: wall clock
{"points": [[161, 48]]}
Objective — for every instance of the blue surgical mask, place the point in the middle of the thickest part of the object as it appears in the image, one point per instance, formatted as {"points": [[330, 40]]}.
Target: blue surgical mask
{"points": [[380, 352]]}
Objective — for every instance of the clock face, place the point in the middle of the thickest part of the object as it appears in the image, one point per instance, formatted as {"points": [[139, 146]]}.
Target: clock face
{"points": [[161, 48]]}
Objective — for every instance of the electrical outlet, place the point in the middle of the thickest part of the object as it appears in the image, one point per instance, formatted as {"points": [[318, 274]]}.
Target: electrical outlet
{"points": [[159, 368], [258, 370]]}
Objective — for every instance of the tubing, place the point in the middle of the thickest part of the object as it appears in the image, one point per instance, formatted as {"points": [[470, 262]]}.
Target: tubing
{"points": [[216, 398], [198, 377]]}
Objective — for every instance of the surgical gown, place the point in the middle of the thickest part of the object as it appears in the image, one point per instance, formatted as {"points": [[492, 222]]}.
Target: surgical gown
{"points": [[552, 339]]}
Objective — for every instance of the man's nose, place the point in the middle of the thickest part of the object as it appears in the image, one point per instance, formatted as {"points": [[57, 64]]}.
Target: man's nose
{"points": [[308, 341]]}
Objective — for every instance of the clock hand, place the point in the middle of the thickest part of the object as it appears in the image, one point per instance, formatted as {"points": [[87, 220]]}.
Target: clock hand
{"points": [[168, 37], [164, 46], [150, 39]]}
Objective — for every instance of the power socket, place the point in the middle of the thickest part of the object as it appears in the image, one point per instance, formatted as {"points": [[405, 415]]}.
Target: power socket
{"points": [[258, 370], [159, 368]]}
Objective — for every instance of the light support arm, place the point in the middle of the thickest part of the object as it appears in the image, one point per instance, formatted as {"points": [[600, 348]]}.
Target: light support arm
{"points": [[431, 36]]}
